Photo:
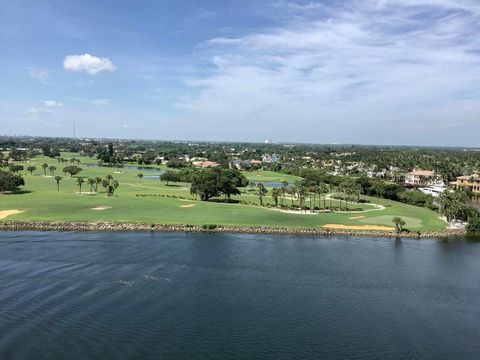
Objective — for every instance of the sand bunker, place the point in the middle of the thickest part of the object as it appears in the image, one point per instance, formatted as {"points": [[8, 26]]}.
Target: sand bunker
{"points": [[187, 206], [357, 217], [5, 213], [100, 208], [358, 227]]}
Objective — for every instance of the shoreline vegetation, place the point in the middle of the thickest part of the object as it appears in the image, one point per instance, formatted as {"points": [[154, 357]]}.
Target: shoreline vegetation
{"points": [[101, 226]]}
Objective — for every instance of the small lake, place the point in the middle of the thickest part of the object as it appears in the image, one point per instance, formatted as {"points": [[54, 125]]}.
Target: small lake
{"points": [[138, 168], [231, 296], [273, 184]]}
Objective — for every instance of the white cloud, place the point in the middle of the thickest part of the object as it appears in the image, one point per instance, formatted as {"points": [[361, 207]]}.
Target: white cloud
{"points": [[52, 104], [362, 64], [97, 102], [36, 110], [90, 64], [49, 106], [39, 74]]}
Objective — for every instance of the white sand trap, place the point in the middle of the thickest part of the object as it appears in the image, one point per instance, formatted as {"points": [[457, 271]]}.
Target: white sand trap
{"points": [[100, 208], [187, 206], [357, 217], [5, 213]]}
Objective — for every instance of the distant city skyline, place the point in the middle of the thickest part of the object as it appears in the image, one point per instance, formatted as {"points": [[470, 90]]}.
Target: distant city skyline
{"points": [[400, 72]]}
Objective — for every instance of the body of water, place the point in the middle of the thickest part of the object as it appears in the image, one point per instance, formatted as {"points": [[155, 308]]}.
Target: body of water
{"points": [[232, 296], [139, 168], [274, 184]]}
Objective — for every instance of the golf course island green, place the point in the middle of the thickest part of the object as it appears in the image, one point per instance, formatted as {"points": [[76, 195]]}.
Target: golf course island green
{"points": [[148, 200]]}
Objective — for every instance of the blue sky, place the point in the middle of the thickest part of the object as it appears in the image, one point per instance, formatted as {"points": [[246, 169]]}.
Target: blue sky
{"points": [[359, 71]]}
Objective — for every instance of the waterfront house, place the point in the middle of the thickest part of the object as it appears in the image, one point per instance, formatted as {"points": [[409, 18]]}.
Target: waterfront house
{"points": [[469, 181], [420, 177]]}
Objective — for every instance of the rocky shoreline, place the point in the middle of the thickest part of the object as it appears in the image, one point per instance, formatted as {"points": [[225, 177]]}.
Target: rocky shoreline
{"points": [[125, 227]]}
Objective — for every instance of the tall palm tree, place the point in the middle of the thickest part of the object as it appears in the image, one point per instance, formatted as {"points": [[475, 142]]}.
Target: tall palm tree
{"points": [[261, 192], [92, 183], [312, 189], [80, 181], [323, 189], [98, 181], [275, 194], [301, 191], [377, 187], [140, 176], [52, 170], [284, 191], [58, 179], [45, 166]]}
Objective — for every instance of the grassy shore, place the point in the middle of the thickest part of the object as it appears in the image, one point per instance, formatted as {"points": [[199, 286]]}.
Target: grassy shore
{"points": [[152, 201]]}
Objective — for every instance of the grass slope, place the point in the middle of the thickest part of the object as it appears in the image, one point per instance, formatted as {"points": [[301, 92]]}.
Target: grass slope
{"points": [[41, 202]]}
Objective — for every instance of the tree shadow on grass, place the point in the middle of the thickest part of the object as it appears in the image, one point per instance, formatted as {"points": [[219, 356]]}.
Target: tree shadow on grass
{"points": [[225, 201], [17, 192]]}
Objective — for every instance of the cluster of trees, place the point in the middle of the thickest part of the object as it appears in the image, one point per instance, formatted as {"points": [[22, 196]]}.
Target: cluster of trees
{"points": [[454, 205], [10, 181], [209, 183], [50, 151], [109, 183]]}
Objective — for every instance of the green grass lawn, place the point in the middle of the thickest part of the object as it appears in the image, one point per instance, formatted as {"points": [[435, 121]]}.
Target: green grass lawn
{"points": [[269, 176], [40, 201]]}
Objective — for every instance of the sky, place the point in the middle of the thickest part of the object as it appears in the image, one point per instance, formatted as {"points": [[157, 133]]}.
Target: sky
{"points": [[399, 72]]}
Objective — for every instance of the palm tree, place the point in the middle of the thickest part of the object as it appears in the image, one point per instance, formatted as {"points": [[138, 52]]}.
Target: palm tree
{"points": [[312, 189], [275, 194], [58, 179], [140, 176], [45, 166], [323, 189], [377, 187], [292, 192], [261, 192], [80, 181], [284, 191], [98, 181], [302, 191], [52, 170], [31, 169], [92, 183], [399, 224]]}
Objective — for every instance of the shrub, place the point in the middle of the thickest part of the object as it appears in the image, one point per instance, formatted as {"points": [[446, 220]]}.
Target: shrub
{"points": [[473, 227], [209, 226]]}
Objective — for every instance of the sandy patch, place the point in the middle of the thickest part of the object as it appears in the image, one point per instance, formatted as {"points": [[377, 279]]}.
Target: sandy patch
{"points": [[357, 217], [5, 213], [187, 206], [100, 208], [358, 227]]}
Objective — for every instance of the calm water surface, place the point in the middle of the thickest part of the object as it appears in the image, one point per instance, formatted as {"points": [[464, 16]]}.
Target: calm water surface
{"points": [[221, 296]]}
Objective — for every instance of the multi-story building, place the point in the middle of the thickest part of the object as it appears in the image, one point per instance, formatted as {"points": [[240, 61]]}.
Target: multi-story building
{"points": [[419, 177], [469, 181]]}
